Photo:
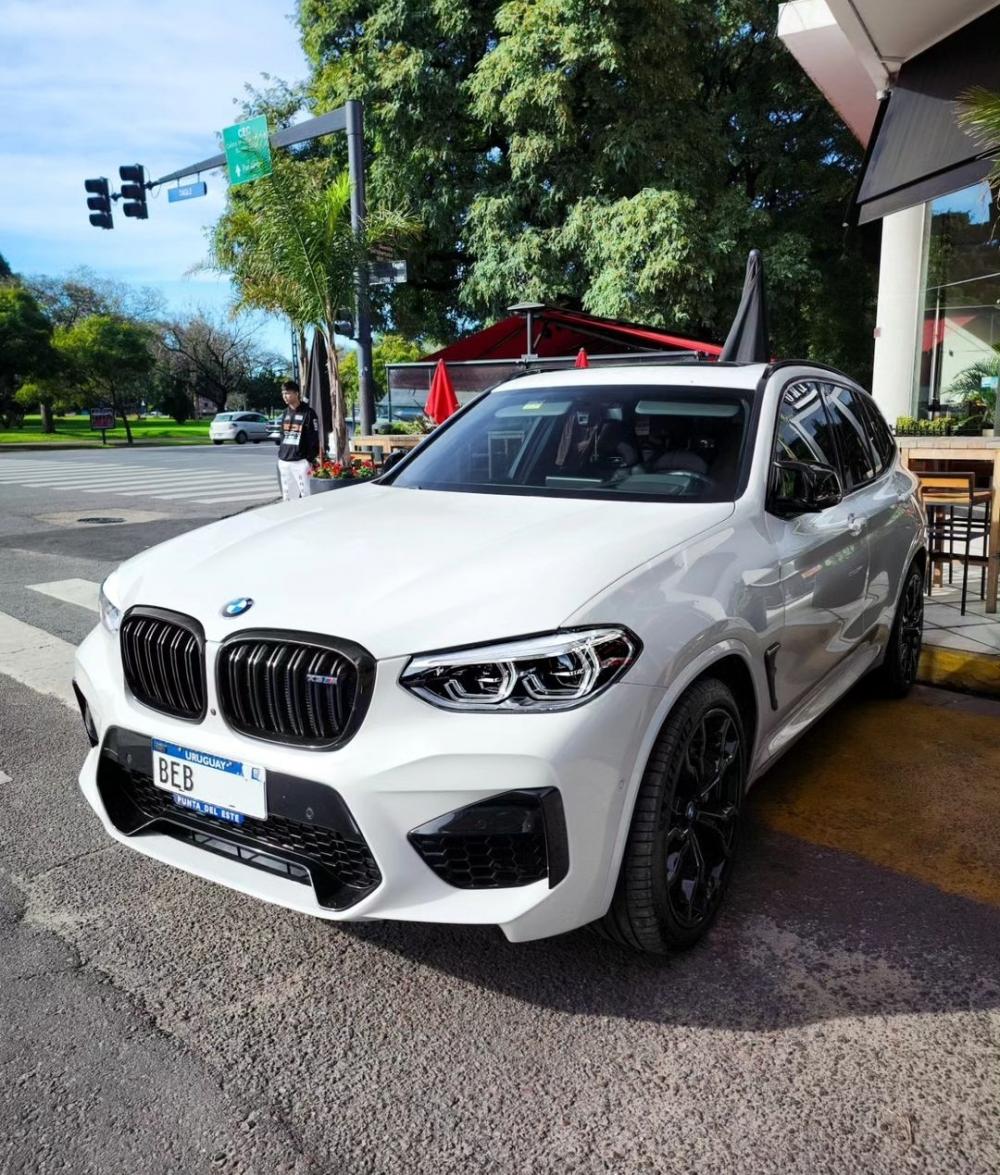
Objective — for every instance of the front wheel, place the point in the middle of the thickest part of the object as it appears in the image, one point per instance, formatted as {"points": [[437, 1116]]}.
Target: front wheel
{"points": [[902, 655], [685, 826], [240, 438]]}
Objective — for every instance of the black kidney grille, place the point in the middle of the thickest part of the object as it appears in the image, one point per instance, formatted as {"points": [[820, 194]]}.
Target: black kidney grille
{"points": [[164, 663], [292, 692]]}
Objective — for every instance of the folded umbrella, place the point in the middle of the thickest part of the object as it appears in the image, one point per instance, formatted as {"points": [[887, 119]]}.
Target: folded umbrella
{"points": [[442, 401], [581, 359]]}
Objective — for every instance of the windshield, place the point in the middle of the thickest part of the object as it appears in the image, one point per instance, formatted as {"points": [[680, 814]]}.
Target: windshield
{"points": [[649, 442]]}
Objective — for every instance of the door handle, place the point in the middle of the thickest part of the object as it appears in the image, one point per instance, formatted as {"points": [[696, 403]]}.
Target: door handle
{"points": [[855, 524]]}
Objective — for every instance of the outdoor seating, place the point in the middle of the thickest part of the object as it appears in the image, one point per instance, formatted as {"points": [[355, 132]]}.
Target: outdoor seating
{"points": [[958, 525]]}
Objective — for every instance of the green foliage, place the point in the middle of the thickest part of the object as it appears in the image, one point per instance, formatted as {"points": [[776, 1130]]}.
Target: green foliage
{"points": [[620, 156], [973, 397], [908, 426], [288, 244], [388, 348], [6, 273], [25, 348], [107, 359]]}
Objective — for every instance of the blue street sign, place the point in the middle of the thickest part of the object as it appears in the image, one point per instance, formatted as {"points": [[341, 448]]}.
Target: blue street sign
{"points": [[188, 192]]}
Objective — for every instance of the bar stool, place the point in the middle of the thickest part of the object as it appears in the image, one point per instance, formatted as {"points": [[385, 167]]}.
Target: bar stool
{"points": [[942, 494]]}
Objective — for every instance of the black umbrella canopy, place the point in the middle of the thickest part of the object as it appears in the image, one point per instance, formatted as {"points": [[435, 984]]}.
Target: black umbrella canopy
{"points": [[317, 390], [747, 341]]}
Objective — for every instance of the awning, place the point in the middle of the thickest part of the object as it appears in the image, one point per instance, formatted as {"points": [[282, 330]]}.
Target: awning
{"points": [[918, 151], [564, 332]]}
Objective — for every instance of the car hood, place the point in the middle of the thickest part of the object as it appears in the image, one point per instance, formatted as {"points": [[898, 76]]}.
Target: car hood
{"points": [[405, 570]]}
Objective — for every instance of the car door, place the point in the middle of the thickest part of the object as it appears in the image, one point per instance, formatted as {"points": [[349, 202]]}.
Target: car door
{"points": [[892, 518], [822, 558]]}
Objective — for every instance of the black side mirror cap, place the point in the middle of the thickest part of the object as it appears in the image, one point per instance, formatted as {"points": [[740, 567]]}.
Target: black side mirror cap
{"points": [[800, 488]]}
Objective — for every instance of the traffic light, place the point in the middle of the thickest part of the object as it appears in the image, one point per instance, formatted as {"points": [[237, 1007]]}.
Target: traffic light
{"points": [[99, 203], [133, 192]]}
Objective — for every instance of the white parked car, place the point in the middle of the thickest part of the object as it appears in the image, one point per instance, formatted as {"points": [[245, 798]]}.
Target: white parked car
{"points": [[593, 608], [240, 427]]}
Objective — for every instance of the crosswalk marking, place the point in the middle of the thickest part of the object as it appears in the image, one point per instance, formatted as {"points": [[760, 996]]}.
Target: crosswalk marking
{"points": [[82, 592], [185, 484], [37, 659]]}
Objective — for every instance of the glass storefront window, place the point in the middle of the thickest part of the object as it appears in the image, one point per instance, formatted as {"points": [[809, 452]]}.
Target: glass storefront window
{"points": [[959, 360]]}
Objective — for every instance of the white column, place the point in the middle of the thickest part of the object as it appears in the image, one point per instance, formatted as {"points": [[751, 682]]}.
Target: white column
{"points": [[899, 321]]}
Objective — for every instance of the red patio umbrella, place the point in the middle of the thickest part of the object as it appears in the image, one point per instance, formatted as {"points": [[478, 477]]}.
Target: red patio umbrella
{"points": [[581, 359], [442, 401]]}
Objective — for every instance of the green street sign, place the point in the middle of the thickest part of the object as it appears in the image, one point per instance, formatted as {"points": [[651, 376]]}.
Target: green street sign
{"points": [[248, 151]]}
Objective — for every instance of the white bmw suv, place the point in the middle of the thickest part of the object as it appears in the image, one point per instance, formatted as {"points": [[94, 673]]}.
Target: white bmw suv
{"points": [[527, 676]]}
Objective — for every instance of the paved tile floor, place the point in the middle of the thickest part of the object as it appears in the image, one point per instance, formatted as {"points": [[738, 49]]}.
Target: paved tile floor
{"points": [[944, 624]]}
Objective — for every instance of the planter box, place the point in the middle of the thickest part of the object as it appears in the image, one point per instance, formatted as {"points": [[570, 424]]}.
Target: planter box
{"points": [[320, 485]]}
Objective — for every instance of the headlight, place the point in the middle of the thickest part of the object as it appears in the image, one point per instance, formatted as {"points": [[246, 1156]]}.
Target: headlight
{"points": [[111, 616], [553, 672]]}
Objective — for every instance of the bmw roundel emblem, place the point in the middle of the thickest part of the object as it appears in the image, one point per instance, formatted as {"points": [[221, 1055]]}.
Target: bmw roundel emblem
{"points": [[237, 607]]}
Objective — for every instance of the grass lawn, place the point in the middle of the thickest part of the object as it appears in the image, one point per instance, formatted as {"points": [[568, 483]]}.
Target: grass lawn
{"points": [[76, 430]]}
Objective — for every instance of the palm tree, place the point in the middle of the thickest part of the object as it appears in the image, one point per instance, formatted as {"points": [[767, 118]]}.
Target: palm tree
{"points": [[288, 244], [980, 114]]}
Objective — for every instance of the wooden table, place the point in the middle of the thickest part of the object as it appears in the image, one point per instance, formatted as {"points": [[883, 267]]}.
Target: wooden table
{"points": [[958, 452]]}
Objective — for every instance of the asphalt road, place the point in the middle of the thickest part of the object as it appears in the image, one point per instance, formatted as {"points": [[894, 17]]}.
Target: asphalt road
{"points": [[841, 1017]]}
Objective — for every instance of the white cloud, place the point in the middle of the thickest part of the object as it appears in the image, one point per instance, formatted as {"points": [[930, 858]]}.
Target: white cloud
{"points": [[86, 87]]}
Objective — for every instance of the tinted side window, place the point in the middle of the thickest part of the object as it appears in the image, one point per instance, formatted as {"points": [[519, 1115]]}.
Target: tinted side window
{"points": [[883, 442], [804, 432], [848, 416]]}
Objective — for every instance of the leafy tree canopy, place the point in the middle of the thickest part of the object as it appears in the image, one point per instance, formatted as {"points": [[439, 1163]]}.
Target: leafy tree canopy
{"points": [[25, 347], [107, 359], [619, 156], [67, 300]]}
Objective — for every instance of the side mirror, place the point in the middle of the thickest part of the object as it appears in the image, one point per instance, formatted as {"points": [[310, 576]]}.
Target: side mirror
{"points": [[799, 488]]}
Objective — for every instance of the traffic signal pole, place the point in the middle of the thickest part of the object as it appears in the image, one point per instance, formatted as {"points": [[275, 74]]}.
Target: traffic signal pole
{"points": [[350, 119]]}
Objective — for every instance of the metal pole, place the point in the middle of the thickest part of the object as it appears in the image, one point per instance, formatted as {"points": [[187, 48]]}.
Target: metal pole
{"points": [[356, 167]]}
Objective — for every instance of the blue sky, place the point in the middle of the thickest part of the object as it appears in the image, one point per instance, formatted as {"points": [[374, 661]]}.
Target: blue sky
{"points": [[86, 86]]}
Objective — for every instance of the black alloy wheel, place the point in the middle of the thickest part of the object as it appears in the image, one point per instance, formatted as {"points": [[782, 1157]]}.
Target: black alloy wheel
{"points": [[902, 655], [241, 437], [701, 834], [685, 826]]}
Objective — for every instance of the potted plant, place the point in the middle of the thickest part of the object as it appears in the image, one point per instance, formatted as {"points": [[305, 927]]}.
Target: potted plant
{"points": [[334, 475]]}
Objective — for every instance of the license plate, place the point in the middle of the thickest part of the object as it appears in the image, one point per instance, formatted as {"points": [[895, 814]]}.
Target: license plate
{"points": [[210, 784]]}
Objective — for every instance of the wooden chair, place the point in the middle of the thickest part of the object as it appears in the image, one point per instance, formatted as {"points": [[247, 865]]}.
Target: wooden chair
{"points": [[942, 494]]}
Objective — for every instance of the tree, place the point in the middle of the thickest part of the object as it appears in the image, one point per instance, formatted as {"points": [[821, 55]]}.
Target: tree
{"points": [[620, 157], [107, 359], [67, 300], [25, 348], [6, 273], [389, 348], [288, 244], [212, 358]]}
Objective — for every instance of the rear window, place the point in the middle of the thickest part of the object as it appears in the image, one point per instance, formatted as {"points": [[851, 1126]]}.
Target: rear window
{"points": [[222, 416], [647, 442]]}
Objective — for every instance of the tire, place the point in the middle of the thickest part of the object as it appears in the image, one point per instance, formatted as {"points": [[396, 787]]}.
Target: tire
{"points": [[683, 824], [240, 438], [898, 671], [216, 442]]}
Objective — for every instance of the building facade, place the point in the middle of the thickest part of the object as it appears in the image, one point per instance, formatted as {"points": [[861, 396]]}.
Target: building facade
{"points": [[897, 71]]}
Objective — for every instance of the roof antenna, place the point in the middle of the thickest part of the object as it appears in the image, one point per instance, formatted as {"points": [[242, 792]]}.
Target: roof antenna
{"points": [[747, 341]]}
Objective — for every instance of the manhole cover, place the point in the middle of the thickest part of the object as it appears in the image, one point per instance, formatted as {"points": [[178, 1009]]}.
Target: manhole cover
{"points": [[100, 521]]}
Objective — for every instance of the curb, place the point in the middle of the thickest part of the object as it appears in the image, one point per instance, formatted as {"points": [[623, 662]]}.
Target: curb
{"points": [[57, 446], [970, 673]]}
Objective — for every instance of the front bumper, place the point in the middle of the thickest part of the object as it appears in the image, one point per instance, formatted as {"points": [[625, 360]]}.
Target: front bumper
{"points": [[409, 765]]}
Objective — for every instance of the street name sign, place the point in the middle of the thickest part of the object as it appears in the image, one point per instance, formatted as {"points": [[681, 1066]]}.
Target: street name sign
{"points": [[387, 273], [248, 150], [187, 192]]}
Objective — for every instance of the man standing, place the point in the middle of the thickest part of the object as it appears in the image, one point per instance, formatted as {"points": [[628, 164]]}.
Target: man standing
{"points": [[299, 443]]}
